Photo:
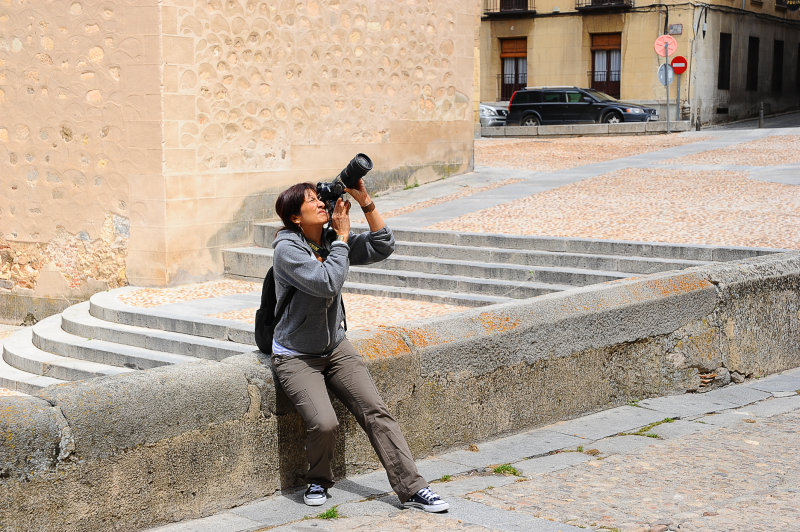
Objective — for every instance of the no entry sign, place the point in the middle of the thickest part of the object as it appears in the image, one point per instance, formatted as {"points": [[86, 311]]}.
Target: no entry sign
{"points": [[679, 64], [666, 45]]}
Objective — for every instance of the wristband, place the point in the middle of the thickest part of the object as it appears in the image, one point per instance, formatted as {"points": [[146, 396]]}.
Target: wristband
{"points": [[341, 238], [368, 208]]}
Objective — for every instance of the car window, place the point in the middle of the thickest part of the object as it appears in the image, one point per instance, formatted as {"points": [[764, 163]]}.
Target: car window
{"points": [[602, 96], [522, 97], [552, 96], [573, 96]]}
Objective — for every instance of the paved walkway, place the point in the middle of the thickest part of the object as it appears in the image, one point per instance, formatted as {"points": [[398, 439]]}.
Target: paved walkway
{"points": [[723, 460]]}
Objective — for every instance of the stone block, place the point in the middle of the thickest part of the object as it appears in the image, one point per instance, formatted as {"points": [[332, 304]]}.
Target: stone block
{"points": [[521, 131], [556, 130], [495, 131], [111, 414], [33, 433], [178, 50], [180, 107], [591, 129], [624, 128]]}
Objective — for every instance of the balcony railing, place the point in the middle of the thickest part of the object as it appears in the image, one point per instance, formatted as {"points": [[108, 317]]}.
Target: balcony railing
{"points": [[602, 5], [508, 7], [506, 85], [605, 81]]}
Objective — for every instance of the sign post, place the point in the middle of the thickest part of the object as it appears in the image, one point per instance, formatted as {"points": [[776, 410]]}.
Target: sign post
{"points": [[679, 64], [665, 46]]}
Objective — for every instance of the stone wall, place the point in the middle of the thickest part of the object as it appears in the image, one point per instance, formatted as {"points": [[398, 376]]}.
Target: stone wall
{"points": [[142, 138], [140, 449]]}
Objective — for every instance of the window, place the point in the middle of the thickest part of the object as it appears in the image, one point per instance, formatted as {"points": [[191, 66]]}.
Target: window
{"points": [[777, 66], [514, 58], [797, 70], [552, 97], [752, 64], [724, 73], [606, 62]]}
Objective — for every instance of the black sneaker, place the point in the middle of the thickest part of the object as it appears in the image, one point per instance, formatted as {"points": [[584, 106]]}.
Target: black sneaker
{"points": [[426, 500], [315, 495]]}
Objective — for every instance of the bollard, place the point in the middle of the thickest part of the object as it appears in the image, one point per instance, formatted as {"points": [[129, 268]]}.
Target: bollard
{"points": [[760, 114], [697, 120]]}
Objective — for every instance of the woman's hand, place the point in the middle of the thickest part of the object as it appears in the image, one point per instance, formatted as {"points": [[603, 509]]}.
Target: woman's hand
{"points": [[340, 221], [360, 194]]}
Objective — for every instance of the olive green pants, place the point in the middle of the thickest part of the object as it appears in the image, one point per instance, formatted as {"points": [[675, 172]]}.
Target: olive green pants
{"points": [[306, 380]]}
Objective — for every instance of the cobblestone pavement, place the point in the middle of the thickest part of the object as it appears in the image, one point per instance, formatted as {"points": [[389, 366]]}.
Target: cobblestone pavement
{"points": [[721, 460]]}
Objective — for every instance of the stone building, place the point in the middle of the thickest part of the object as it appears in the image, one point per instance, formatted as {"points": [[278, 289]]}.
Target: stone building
{"points": [[139, 139], [739, 53]]}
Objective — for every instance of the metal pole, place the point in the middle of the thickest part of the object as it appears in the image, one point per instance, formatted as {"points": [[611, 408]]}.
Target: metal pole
{"points": [[666, 78], [678, 101], [760, 114]]}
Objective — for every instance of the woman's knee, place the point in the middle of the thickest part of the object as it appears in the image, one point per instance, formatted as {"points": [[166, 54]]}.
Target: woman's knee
{"points": [[325, 427]]}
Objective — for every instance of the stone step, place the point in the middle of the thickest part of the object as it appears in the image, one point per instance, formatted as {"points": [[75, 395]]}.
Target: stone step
{"points": [[107, 307], [253, 263], [78, 321], [452, 283], [19, 352], [15, 379], [50, 337], [443, 297], [529, 257], [438, 275], [264, 233], [251, 257], [497, 271]]}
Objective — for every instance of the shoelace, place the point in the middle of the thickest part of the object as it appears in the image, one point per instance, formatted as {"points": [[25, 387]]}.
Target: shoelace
{"points": [[428, 495], [316, 489]]}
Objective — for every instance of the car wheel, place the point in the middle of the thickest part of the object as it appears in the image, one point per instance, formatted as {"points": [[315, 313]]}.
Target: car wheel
{"points": [[612, 118], [530, 120]]}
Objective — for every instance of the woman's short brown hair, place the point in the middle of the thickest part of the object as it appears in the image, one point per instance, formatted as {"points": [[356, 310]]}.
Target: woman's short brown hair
{"points": [[290, 201]]}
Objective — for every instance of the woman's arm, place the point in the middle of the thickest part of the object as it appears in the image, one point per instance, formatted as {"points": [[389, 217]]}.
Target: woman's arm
{"points": [[295, 265], [360, 194]]}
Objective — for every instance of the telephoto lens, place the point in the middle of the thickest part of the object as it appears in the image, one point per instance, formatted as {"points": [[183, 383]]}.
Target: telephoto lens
{"points": [[355, 170]]}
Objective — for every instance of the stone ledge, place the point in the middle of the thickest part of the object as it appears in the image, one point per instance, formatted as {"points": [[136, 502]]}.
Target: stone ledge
{"points": [[189, 440], [579, 130]]}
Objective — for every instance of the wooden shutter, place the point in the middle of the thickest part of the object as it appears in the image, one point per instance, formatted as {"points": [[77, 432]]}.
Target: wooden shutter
{"points": [[514, 47]]}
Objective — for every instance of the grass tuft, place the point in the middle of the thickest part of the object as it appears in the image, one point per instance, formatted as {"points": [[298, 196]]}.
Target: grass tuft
{"points": [[507, 469], [330, 513]]}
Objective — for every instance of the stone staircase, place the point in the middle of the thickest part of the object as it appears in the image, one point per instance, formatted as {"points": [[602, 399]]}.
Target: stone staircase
{"points": [[474, 269], [104, 336]]}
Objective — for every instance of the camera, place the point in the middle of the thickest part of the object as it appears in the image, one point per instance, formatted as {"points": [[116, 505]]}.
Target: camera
{"points": [[330, 192]]}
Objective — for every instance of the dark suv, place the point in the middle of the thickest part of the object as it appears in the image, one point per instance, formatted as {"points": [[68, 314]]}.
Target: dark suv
{"points": [[572, 105]]}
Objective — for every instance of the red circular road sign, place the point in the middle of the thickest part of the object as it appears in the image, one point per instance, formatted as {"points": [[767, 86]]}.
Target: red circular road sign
{"points": [[679, 64], [667, 42]]}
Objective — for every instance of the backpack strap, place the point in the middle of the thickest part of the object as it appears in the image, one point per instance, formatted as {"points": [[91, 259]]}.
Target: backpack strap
{"points": [[284, 304]]}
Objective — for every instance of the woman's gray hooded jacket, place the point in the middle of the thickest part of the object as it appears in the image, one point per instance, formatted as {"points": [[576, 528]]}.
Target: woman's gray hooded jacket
{"points": [[313, 323]]}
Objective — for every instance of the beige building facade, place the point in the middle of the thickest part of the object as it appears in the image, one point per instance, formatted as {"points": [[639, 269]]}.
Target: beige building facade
{"points": [[738, 54], [139, 139]]}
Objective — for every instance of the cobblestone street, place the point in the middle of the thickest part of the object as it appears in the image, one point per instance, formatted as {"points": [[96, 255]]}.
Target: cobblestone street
{"points": [[723, 460]]}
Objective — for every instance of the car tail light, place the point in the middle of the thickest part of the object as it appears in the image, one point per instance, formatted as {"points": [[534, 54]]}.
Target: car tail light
{"points": [[511, 101]]}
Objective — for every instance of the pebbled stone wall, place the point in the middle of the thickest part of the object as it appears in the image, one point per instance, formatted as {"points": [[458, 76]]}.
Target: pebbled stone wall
{"points": [[145, 448], [72, 95], [181, 120]]}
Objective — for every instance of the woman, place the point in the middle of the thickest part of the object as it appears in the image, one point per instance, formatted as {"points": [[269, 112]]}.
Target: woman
{"points": [[310, 352]]}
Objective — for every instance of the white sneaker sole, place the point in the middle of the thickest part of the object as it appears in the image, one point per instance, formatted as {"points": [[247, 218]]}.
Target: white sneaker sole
{"points": [[315, 502], [431, 508]]}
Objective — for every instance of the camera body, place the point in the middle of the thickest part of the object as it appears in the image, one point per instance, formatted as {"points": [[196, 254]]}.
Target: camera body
{"points": [[330, 192]]}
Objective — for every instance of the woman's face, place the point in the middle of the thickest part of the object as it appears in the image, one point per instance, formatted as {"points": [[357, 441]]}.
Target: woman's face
{"points": [[312, 212]]}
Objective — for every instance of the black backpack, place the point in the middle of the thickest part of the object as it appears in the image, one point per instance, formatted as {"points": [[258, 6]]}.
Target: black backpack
{"points": [[266, 319]]}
